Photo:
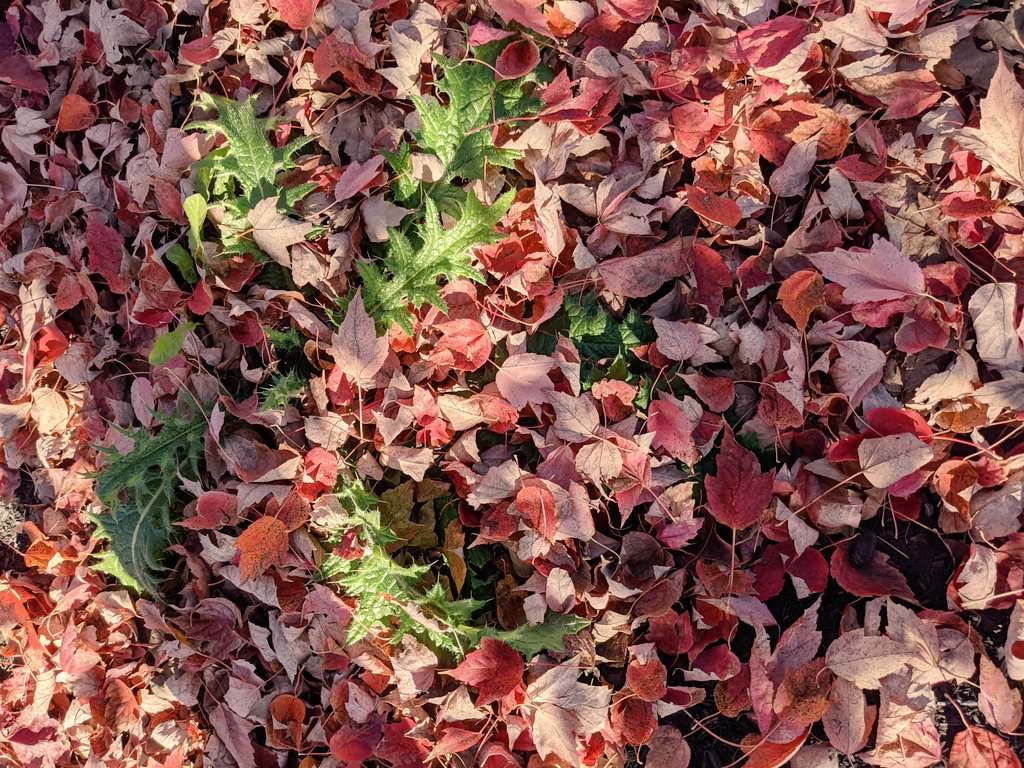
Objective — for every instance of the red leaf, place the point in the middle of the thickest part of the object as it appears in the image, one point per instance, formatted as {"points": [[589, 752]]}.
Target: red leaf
{"points": [[647, 681], [495, 669], [262, 544], [635, 277], [464, 345], [707, 205], [106, 253], [672, 429], [453, 741], [739, 492], [518, 59], [875, 579], [199, 51], [213, 509], [526, 12], [713, 278], [634, 720], [537, 504], [320, 474], [768, 755]]}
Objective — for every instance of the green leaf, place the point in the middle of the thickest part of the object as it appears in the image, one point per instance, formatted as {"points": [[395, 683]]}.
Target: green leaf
{"points": [[183, 260], [240, 174], [459, 131], [549, 636], [139, 492], [168, 345], [410, 274], [195, 210], [282, 389]]}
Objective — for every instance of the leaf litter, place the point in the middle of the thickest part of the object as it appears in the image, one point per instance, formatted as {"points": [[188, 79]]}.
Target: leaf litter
{"points": [[511, 384]]}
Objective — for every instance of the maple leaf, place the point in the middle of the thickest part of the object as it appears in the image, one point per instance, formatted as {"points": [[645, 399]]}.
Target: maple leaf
{"points": [[999, 703], [975, 747], [565, 709], [1000, 137], [993, 309], [865, 659], [274, 232], [801, 294], [297, 14], [576, 418], [880, 274], [889, 459], [738, 492], [357, 349], [634, 277], [495, 669]]}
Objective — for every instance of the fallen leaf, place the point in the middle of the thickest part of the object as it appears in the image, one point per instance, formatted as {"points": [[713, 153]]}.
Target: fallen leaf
{"points": [[276, 233], [977, 747], [262, 544], [801, 294], [999, 138], [999, 703], [865, 659], [992, 308], [880, 274], [739, 492], [357, 349], [494, 669], [887, 460]]}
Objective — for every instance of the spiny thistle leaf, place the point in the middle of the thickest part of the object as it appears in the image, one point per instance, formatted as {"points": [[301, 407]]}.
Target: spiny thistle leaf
{"points": [[459, 132], [548, 636], [410, 274], [240, 174], [139, 491], [391, 596]]}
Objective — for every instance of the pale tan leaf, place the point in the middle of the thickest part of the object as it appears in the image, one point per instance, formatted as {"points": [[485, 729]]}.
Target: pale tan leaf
{"points": [[865, 659], [274, 232], [357, 349], [1000, 138], [885, 460]]}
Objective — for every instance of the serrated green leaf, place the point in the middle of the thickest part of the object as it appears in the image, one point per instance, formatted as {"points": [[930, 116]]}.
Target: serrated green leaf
{"points": [[410, 274], [139, 493], [548, 636], [239, 175], [459, 130]]}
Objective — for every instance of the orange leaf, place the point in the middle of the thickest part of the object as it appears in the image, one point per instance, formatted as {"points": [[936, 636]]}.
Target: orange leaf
{"points": [[289, 712], [801, 293], [76, 114], [768, 755], [979, 748], [262, 544]]}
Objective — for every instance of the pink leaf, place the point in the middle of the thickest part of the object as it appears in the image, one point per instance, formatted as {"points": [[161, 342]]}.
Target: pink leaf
{"points": [[881, 274], [297, 14], [641, 275], [357, 349]]}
